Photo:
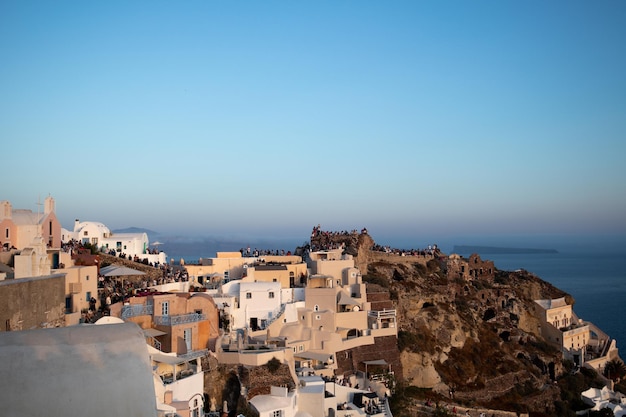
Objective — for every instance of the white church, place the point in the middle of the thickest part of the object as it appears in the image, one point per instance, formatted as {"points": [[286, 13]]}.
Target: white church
{"points": [[129, 244]]}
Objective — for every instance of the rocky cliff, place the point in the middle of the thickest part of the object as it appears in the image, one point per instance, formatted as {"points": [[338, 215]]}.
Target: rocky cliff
{"points": [[476, 340], [473, 342]]}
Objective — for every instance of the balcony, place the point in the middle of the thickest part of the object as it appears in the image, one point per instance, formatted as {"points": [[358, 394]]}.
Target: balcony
{"points": [[178, 319], [134, 310]]}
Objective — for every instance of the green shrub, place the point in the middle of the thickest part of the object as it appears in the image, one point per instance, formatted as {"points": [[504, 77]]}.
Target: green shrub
{"points": [[273, 365]]}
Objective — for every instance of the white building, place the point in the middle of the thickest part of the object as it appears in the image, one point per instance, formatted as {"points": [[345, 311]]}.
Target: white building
{"points": [[132, 245], [579, 340], [314, 397], [251, 305], [178, 384], [598, 399], [260, 302], [279, 403]]}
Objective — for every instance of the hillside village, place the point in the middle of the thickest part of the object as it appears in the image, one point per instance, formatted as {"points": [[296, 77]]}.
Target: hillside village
{"points": [[340, 327]]}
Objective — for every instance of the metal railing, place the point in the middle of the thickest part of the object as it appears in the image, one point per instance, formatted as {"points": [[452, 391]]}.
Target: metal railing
{"points": [[178, 319], [382, 314], [275, 315], [153, 342], [134, 310]]}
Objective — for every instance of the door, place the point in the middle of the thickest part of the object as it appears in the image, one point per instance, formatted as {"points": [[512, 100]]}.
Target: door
{"points": [[187, 336]]}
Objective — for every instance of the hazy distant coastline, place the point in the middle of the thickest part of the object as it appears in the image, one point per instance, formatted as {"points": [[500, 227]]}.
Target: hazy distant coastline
{"points": [[498, 250]]}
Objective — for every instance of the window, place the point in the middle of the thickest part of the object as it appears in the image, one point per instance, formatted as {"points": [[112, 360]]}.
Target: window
{"points": [[271, 294], [248, 295], [318, 317], [87, 278], [85, 233], [316, 308], [277, 413], [6, 233], [165, 308], [301, 348], [88, 296]]}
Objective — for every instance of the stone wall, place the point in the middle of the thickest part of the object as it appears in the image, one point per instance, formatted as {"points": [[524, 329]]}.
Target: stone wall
{"points": [[150, 271], [32, 303], [467, 269], [379, 300], [383, 348]]}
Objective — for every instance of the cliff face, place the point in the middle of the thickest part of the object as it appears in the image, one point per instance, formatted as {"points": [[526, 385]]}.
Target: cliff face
{"points": [[477, 337]]}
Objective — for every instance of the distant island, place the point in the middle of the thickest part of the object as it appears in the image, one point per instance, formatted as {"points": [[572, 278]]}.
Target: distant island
{"points": [[498, 250]]}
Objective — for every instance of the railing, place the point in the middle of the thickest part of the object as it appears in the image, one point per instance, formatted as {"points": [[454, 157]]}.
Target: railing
{"points": [[382, 314], [134, 310], [194, 354], [178, 319], [275, 315], [153, 342]]}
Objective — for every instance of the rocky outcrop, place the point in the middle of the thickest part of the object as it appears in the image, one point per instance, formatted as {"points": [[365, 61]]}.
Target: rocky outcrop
{"points": [[478, 337]]}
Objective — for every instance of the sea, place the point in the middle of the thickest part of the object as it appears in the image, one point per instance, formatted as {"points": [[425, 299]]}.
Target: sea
{"points": [[590, 268]]}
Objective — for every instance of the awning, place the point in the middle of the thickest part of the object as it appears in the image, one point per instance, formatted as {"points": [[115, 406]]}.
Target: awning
{"points": [[165, 408], [317, 356], [376, 362], [168, 359], [153, 332], [346, 300], [119, 271]]}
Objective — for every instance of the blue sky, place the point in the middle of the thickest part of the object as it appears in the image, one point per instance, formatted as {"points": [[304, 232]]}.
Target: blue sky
{"points": [[417, 120]]}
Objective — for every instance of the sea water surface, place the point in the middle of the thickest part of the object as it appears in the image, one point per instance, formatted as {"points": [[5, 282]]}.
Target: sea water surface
{"points": [[596, 280]]}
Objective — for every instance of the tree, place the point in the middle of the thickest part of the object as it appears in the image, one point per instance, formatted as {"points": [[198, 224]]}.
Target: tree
{"points": [[614, 370], [273, 365]]}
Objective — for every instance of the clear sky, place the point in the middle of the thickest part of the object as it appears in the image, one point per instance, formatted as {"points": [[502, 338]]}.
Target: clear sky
{"points": [[412, 119]]}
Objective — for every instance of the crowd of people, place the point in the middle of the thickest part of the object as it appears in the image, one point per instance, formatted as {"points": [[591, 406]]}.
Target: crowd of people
{"points": [[113, 290], [317, 232], [328, 240], [247, 252], [134, 258], [431, 252]]}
